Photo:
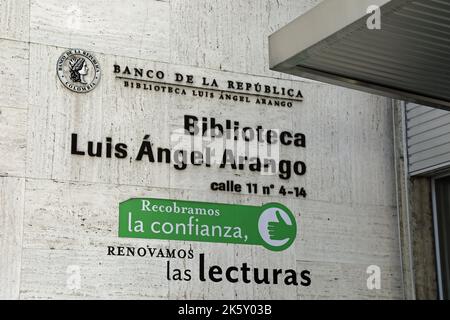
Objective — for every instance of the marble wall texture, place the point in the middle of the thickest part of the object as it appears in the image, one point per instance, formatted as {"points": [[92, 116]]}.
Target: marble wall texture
{"points": [[59, 212]]}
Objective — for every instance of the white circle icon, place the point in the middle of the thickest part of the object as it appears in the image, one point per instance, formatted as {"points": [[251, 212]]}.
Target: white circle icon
{"points": [[273, 215]]}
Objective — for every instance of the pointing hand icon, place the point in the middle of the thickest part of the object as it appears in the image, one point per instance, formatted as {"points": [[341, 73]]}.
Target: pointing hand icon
{"points": [[279, 230]]}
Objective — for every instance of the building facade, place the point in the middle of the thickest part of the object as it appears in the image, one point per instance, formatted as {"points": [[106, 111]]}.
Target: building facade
{"points": [[74, 151]]}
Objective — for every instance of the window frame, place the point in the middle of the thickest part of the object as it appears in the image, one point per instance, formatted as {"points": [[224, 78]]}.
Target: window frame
{"points": [[436, 232]]}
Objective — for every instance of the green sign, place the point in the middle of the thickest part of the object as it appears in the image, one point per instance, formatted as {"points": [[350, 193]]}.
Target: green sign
{"points": [[272, 226]]}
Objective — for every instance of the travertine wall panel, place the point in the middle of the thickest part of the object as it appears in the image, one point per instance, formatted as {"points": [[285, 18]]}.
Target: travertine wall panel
{"points": [[14, 20], [137, 28], [13, 74], [59, 211], [344, 281], [13, 128], [11, 223], [229, 35]]}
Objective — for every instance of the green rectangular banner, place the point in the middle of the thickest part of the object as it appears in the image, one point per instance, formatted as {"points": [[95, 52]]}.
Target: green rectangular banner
{"points": [[272, 225]]}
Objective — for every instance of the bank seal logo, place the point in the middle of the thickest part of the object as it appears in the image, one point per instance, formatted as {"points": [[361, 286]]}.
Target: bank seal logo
{"points": [[78, 70]]}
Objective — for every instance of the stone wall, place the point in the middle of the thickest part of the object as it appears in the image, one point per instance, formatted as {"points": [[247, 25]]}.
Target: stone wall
{"points": [[59, 210]]}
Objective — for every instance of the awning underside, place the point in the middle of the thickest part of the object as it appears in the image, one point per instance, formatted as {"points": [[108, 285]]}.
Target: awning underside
{"points": [[408, 58]]}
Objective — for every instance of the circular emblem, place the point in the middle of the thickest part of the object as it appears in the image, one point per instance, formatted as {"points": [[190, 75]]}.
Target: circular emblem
{"points": [[277, 227], [78, 70]]}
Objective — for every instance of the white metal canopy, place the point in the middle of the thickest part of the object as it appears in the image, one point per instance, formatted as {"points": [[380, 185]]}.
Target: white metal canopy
{"points": [[408, 58]]}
